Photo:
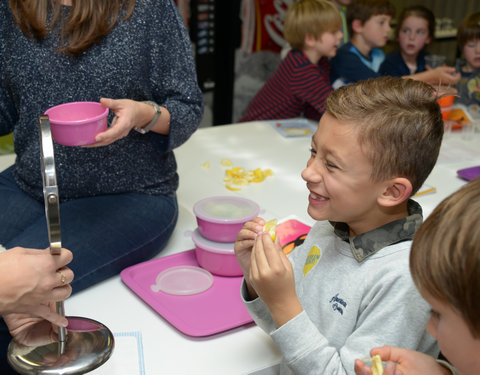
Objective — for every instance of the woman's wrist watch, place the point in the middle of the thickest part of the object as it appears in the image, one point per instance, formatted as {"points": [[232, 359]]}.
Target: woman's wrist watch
{"points": [[150, 125]]}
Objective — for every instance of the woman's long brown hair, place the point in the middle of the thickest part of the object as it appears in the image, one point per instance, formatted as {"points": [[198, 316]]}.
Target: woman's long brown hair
{"points": [[89, 20]]}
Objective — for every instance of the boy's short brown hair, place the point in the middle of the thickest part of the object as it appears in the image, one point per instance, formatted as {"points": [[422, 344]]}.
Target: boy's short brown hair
{"points": [[313, 17], [445, 254], [363, 10], [399, 125], [468, 30]]}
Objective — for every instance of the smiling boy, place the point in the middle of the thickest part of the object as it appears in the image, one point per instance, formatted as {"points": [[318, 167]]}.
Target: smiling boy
{"points": [[349, 286]]}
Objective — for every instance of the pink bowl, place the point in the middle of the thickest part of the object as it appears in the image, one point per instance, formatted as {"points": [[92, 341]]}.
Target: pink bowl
{"points": [[77, 123], [221, 218], [217, 257]]}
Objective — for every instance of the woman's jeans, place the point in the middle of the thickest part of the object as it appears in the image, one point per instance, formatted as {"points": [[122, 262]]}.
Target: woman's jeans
{"points": [[105, 233]]}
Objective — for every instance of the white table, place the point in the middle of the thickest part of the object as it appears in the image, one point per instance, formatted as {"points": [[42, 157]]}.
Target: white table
{"points": [[247, 349]]}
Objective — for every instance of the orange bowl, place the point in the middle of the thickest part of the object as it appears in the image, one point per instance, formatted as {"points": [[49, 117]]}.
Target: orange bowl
{"points": [[446, 101]]}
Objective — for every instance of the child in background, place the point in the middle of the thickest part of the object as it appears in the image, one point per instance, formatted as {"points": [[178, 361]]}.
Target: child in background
{"points": [[348, 285], [468, 38], [415, 30], [301, 83], [445, 266], [369, 28]]}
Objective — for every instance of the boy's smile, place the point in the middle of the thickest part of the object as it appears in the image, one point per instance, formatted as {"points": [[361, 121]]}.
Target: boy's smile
{"points": [[338, 176]]}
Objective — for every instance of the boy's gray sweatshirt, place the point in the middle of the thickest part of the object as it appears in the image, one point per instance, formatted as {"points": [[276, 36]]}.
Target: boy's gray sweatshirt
{"points": [[357, 294]]}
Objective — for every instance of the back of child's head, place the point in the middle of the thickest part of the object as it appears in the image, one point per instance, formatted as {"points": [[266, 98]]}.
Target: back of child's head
{"points": [[309, 17], [445, 254], [363, 10], [468, 30], [398, 123], [417, 11]]}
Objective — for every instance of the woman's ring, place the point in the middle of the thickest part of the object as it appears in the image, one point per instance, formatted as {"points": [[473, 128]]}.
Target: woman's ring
{"points": [[63, 279]]}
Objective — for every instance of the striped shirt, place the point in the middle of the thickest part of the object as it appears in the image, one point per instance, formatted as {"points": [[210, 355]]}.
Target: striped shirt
{"points": [[297, 88]]}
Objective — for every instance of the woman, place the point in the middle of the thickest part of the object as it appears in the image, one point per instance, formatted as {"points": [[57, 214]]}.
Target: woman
{"points": [[118, 204]]}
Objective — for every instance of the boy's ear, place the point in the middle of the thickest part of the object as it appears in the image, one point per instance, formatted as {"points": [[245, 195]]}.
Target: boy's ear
{"points": [[397, 190], [357, 25], [309, 40]]}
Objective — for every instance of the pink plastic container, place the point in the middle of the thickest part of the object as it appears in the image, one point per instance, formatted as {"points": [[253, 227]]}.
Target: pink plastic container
{"points": [[217, 257], [77, 123], [221, 218]]}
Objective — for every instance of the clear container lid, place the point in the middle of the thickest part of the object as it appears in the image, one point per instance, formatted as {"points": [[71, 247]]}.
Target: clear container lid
{"points": [[226, 209], [214, 247], [183, 280]]}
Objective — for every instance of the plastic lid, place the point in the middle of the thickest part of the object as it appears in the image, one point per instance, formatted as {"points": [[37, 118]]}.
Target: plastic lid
{"points": [[214, 247], [226, 209], [183, 280]]}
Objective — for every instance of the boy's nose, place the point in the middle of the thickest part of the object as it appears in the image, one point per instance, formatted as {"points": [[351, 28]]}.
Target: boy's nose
{"points": [[312, 173]]}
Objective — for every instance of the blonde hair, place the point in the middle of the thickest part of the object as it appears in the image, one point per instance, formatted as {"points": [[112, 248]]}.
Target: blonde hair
{"points": [[399, 125], [445, 254], [89, 20], [313, 17]]}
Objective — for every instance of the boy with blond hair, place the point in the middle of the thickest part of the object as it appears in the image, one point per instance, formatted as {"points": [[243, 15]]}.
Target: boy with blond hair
{"points": [[301, 84], [369, 28], [348, 285], [445, 266]]}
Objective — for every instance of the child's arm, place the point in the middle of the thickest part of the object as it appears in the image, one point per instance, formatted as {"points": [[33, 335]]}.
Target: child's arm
{"points": [[271, 275], [409, 362], [243, 248], [440, 75]]}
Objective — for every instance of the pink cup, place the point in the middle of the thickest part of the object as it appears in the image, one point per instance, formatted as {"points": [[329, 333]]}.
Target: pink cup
{"points": [[77, 123]]}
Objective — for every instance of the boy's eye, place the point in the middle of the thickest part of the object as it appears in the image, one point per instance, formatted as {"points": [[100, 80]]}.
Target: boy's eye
{"points": [[330, 165], [313, 152]]}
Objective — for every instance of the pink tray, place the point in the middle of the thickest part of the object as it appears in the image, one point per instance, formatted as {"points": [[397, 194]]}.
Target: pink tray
{"points": [[218, 309]]}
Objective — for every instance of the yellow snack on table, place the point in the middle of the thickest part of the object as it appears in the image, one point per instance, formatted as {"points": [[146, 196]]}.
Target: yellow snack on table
{"points": [[226, 162], [240, 177], [376, 364], [270, 227], [206, 165]]}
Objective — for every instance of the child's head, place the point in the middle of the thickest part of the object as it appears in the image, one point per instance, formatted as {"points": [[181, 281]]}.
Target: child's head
{"points": [[468, 39], [310, 18], [416, 28], [399, 125], [445, 266], [377, 140], [371, 18]]}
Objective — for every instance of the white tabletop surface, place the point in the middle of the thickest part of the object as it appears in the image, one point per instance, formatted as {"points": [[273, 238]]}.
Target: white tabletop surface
{"points": [[246, 349]]}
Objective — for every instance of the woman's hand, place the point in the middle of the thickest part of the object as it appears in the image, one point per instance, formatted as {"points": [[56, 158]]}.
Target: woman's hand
{"points": [[31, 330], [30, 278]]}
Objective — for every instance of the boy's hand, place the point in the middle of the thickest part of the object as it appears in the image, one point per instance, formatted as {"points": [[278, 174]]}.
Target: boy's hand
{"points": [[271, 275], [408, 362], [243, 247]]}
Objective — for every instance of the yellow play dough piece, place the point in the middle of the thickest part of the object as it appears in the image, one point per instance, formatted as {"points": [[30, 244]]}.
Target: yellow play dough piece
{"points": [[270, 227], [376, 364]]}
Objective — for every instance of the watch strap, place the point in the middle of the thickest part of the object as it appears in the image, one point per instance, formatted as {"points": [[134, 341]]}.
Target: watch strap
{"points": [[150, 125]]}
